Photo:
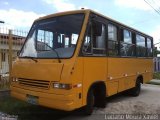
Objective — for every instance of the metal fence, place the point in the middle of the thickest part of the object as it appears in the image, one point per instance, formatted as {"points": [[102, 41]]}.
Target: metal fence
{"points": [[156, 64], [11, 42]]}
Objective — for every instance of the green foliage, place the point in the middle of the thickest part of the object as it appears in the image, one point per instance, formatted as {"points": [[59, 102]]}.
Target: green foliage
{"points": [[26, 111], [156, 75], [4, 83], [4, 86], [10, 105], [155, 52]]}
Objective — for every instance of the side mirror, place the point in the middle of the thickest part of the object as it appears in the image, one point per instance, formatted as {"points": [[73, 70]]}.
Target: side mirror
{"points": [[97, 26]]}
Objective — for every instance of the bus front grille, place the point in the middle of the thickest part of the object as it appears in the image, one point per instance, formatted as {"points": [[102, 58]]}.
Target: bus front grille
{"points": [[34, 83]]}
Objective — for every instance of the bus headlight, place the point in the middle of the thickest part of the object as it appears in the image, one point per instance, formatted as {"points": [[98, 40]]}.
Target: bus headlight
{"points": [[62, 86]]}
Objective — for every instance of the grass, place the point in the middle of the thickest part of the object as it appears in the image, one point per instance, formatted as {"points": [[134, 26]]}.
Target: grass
{"points": [[4, 83], [156, 75], [10, 105], [4, 86], [26, 111]]}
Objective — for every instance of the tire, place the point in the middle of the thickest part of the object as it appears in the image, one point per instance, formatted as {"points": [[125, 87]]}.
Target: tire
{"points": [[88, 109], [100, 99], [136, 90]]}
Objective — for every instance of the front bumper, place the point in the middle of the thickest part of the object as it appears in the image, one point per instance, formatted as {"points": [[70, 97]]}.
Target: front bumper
{"points": [[61, 102]]}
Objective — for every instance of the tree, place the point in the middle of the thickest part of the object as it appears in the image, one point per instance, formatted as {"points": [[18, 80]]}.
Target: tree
{"points": [[155, 52]]}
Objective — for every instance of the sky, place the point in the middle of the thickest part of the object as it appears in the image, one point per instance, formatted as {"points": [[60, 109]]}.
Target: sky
{"points": [[20, 14]]}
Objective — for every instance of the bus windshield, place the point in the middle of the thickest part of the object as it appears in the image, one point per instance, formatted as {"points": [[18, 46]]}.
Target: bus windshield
{"points": [[54, 37]]}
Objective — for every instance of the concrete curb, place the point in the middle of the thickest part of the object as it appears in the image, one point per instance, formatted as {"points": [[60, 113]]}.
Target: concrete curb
{"points": [[154, 82]]}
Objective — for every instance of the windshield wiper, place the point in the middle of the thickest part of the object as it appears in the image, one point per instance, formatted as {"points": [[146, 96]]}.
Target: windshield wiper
{"points": [[59, 60], [32, 58]]}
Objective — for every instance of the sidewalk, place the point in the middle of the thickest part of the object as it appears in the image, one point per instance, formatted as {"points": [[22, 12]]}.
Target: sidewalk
{"points": [[154, 81]]}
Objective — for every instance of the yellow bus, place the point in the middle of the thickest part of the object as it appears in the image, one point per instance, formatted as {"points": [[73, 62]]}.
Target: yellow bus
{"points": [[76, 59]]}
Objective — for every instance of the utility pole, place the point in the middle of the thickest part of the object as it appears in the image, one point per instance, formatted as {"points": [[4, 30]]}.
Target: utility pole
{"points": [[156, 51], [10, 53], [0, 52]]}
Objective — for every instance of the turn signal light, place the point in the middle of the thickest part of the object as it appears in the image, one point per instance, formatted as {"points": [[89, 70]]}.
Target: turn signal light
{"points": [[14, 79]]}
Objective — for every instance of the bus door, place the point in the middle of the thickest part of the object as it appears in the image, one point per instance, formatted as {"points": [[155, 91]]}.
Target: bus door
{"points": [[113, 61], [94, 54]]}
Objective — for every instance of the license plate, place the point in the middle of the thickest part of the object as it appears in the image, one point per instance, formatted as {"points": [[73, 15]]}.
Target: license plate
{"points": [[32, 99]]}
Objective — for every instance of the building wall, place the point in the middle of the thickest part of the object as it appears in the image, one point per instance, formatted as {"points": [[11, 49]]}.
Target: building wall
{"points": [[4, 62], [4, 51]]}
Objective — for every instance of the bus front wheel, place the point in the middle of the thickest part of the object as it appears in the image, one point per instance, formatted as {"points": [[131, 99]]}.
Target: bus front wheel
{"points": [[88, 109]]}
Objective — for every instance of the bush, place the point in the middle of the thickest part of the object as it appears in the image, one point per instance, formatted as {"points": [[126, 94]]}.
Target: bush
{"points": [[4, 82], [156, 75]]}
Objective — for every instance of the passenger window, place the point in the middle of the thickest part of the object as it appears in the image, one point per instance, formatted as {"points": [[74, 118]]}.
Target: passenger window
{"points": [[141, 46], [95, 43], [127, 48], [149, 48], [112, 40], [127, 36]]}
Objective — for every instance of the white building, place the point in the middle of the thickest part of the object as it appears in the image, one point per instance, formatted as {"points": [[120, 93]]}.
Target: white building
{"points": [[17, 42]]}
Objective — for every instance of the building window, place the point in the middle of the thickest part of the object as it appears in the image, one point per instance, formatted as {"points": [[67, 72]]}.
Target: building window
{"points": [[141, 46], [127, 48], [112, 40], [3, 58]]}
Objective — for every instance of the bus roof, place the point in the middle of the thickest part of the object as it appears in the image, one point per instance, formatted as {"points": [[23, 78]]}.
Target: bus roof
{"points": [[90, 11]]}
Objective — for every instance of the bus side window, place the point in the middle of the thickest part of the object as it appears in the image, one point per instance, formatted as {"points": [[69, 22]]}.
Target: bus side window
{"points": [[95, 43], [112, 40], [140, 46], [149, 48], [127, 47]]}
